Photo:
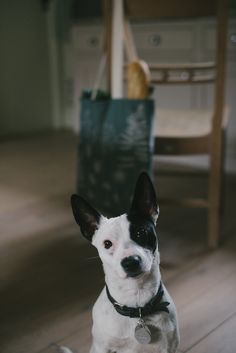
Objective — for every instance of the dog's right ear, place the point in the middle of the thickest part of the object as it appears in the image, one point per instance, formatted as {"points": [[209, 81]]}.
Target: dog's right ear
{"points": [[85, 215]]}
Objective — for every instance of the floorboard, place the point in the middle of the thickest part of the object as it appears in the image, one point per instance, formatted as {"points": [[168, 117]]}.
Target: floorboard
{"points": [[220, 339], [50, 276]]}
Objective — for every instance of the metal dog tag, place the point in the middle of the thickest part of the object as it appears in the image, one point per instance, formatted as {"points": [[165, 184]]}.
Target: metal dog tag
{"points": [[142, 332]]}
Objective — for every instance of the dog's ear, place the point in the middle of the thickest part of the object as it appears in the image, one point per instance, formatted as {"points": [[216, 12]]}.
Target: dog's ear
{"points": [[144, 204], [85, 215]]}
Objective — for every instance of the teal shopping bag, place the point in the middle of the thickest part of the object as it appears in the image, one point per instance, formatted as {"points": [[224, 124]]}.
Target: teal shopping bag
{"points": [[115, 145]]}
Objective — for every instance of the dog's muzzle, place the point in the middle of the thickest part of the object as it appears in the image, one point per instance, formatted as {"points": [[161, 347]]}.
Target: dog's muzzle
{"points": [[132, 265]]}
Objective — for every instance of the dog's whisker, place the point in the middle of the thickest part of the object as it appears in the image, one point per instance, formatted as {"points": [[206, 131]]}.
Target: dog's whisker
{"points": [[92, 258]]}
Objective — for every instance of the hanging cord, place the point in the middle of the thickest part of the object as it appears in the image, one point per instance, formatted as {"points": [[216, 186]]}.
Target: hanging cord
{"points": [[100, 73], [138, 73]]}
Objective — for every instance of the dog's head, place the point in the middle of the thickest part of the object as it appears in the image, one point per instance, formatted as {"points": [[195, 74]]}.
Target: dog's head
{"points": [[127, 245]]}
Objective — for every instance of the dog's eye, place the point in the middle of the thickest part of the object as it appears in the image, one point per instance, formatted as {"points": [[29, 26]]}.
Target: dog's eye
{"points": [[107, 244]]}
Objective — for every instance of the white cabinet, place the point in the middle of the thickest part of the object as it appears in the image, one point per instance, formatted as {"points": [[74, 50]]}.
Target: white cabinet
{"points": [[207, 53], [163, 42], [167, 42]]}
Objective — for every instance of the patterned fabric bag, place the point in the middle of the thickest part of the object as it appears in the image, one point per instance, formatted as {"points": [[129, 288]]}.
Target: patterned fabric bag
{"points": [[115, 146], [115, 134]]}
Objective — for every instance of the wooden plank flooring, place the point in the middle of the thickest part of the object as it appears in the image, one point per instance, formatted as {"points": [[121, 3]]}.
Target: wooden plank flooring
{"points": [[50, 276]]}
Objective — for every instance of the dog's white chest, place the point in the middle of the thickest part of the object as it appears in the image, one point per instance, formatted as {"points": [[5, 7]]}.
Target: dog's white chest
{"points": [[118, 333]]}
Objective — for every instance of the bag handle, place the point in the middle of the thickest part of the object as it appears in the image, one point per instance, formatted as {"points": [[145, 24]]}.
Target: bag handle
{"points": [[138, 70], [130, 47], [138, 73], [100, 74]]}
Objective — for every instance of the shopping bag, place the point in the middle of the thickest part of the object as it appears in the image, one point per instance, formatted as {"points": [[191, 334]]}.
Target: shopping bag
{"points": [[116, 141], [115, 145]]}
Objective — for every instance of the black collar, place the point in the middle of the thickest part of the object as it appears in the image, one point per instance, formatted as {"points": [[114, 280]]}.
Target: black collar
{"points": [[153, 306]]}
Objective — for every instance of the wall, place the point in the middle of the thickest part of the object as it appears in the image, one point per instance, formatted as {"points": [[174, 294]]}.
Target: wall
{"points": [[24, 68]]}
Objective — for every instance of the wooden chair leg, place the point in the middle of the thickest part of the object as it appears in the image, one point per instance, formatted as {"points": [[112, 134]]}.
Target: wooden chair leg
{"points": [[213, 225], [215, 193], [222, 187]]}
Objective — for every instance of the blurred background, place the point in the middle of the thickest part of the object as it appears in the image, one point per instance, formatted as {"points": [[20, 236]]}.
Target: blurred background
{"points": [[49, 275]]}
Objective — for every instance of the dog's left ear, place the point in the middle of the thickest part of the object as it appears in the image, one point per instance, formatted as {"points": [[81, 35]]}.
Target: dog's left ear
{"points": [[144, 204], [85, 215]]}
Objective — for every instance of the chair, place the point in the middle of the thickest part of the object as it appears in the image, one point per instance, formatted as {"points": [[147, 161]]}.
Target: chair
{"points": [[192, 132]]}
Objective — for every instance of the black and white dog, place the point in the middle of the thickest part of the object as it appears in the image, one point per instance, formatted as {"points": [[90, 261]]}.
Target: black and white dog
{"points": [[134, 312]]}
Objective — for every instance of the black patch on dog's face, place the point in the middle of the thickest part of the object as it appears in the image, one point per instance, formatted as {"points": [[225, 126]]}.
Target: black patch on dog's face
{"points": [[143, 232]]}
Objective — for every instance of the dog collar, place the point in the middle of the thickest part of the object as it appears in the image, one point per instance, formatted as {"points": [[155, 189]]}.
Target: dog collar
{"points": [[153, 306]]}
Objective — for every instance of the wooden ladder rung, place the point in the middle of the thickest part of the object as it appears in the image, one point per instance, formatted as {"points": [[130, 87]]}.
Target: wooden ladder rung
{"points": [[179, 80], [182, 66], [185, 202]]}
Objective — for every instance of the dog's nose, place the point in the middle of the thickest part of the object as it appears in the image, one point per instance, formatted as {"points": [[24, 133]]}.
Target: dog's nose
{"points": [[132, 265]]}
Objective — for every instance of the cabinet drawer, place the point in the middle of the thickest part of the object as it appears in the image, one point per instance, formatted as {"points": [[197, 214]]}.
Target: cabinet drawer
{"points": [[209, 39], [88, 39], [173, 38]]}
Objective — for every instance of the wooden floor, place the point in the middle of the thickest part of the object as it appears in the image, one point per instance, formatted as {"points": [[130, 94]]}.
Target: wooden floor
{"points": [[50, 276]]}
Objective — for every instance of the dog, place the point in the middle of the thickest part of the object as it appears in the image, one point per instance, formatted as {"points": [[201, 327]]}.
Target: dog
{"points": [[134, 312]]}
